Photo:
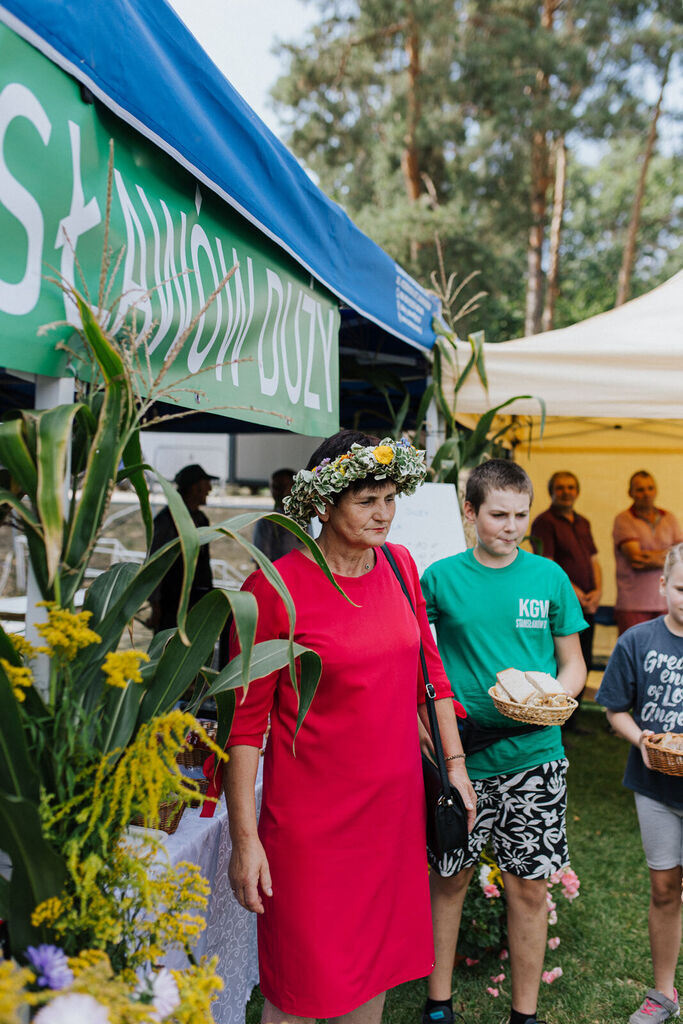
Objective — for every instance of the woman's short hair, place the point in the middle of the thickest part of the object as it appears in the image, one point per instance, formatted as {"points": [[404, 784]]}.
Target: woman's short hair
{"points": [[673, 556], [496, 475], [339, 444]]}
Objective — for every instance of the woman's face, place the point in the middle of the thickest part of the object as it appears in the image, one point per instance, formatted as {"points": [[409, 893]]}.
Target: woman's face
{"points": [[361, 519]]}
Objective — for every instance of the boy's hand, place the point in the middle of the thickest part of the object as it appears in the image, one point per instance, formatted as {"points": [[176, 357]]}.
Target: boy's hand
{"points": [[643, 750]]}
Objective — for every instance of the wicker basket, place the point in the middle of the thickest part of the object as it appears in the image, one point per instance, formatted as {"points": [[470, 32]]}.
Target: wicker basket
{"points": [[170, 813], [192, 757], [667, 761], [533, 715], [203, 788]]}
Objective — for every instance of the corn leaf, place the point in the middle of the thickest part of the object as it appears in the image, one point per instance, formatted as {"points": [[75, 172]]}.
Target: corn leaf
{"points": [[180, 662], [18, 456], [18, 777], [38, 872], [310, 669], [189, 546], [54, 439], [108, 359], [135, 466]]}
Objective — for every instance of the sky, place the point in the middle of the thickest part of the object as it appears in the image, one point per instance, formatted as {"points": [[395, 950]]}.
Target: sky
{"points": [[238, 34]]}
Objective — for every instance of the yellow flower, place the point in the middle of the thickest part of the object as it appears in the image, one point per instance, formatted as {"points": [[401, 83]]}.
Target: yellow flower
{"points": [[46, 912], [13, 995], [20, 678], [22, 646], [123, 667], [65, 632], [383, 454]]}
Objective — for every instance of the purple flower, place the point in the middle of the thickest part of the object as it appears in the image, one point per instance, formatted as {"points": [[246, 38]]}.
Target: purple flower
{"points": [[51, 965]]}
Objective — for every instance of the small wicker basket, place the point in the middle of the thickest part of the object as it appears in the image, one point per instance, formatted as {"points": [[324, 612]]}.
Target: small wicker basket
{"points": [[533, 715], [170, 813], [192, 757], [670, 762], [202, 787]]}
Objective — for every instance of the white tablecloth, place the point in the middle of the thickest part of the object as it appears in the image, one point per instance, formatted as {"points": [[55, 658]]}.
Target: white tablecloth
{"points": [[230, 932]]}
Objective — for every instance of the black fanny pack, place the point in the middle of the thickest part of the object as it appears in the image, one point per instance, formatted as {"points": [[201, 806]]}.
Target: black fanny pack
{"points": [[475, 737]]}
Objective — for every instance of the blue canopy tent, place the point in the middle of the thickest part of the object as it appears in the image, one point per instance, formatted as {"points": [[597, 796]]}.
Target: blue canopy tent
{"points": [[143, 66]]}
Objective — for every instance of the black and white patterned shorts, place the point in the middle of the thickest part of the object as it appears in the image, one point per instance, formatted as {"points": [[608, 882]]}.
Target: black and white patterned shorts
{"points": [[523, 814]]}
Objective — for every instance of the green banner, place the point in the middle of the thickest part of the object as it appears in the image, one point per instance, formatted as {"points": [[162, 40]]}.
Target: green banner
{"points": [[266, 350]]}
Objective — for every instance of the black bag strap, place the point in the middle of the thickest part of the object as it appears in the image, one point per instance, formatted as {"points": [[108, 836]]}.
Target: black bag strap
{"points": [[430, 693]]}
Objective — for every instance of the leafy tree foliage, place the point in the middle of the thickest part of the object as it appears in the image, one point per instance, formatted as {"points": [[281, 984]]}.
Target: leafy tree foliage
{"points": [[443, 115]]}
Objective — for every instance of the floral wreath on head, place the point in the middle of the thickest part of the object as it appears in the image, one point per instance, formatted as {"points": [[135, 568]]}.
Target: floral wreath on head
{"points": [[397, 461]]}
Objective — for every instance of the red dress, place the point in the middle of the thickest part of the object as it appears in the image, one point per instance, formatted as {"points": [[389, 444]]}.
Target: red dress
{"points": [[343, 821]]}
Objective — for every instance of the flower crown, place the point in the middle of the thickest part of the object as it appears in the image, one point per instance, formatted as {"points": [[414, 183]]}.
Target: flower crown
{"points": [[398, 461]]}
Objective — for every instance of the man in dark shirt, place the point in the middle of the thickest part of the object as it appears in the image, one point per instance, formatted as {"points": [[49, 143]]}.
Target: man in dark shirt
{"points": [[194, 485], [563, 535], [270, 538]]}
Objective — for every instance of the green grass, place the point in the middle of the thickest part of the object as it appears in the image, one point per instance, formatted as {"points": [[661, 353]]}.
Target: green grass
{"points": [[604, 950]]}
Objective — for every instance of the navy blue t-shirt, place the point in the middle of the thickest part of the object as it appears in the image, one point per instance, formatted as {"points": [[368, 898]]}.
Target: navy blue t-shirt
{"points": [[645, 675]]}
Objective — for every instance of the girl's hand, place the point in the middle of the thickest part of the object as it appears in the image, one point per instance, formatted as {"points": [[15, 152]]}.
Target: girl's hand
{"points": [[641, 745]]}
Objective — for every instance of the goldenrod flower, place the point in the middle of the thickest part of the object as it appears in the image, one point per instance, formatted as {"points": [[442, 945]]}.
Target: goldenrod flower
{"points": [[123, 667], [20, 678], [65, 632], [383, 454], [23, 647], [46, 912]]}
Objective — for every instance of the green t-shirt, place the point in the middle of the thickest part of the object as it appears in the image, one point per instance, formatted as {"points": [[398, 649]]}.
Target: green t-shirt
{"points": [[491, 619]]}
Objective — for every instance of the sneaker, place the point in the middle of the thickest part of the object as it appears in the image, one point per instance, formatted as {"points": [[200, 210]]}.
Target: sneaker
{"points": [[442, 1015], [656, 1008], [439, 1015], [534, 1020]]}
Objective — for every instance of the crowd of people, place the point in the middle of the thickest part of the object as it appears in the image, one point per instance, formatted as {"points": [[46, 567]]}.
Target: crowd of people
{"points": [[335, 868]]}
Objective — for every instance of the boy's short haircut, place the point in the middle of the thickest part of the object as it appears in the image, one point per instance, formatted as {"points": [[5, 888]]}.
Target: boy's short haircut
{"points": [[496, 475], [673, 556]]}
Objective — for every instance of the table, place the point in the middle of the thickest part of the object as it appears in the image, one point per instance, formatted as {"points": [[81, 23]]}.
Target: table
{"points": [[230, 932]]}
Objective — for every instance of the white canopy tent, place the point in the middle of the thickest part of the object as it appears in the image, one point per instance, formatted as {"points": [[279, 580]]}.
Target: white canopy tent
{"points": [[613, 389], [627, 362]]}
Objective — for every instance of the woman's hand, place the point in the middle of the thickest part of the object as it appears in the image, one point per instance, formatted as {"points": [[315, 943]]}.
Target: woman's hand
{"points": [[459, 778], [248, 872]]}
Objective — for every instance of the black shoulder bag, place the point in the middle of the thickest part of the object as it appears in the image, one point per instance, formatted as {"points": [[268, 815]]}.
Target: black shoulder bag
{"points": [[446, 813]]}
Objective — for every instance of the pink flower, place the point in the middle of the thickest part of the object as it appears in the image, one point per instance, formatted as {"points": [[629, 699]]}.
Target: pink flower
{"points": [[496, 978], [554, 942], [503, 955], [570, 885], [550, 976], [554, 878], [493, 992], [491, 891], [552, 917], [470, 962], [550, 904]]}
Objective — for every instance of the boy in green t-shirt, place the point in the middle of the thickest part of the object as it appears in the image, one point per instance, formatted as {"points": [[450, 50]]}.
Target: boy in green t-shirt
{"points": [[496, 607]]}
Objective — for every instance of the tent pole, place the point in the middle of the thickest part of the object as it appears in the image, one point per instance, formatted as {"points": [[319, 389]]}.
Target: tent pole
{"points": [[50, 391]]}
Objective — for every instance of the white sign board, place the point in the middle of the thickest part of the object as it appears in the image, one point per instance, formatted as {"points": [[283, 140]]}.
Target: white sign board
{"points": [[428, 523]]}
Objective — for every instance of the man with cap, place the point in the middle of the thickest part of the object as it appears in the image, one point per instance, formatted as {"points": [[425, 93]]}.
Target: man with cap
{"points": [[194, 485]]}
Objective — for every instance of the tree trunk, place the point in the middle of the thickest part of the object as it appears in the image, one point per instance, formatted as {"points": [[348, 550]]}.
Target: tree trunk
{"points": [[410, 162], [552, 283], [626, 269], [540, 183]]}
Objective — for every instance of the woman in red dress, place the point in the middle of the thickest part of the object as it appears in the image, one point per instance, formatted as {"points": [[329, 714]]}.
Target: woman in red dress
{"points": [[336, 869]]}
